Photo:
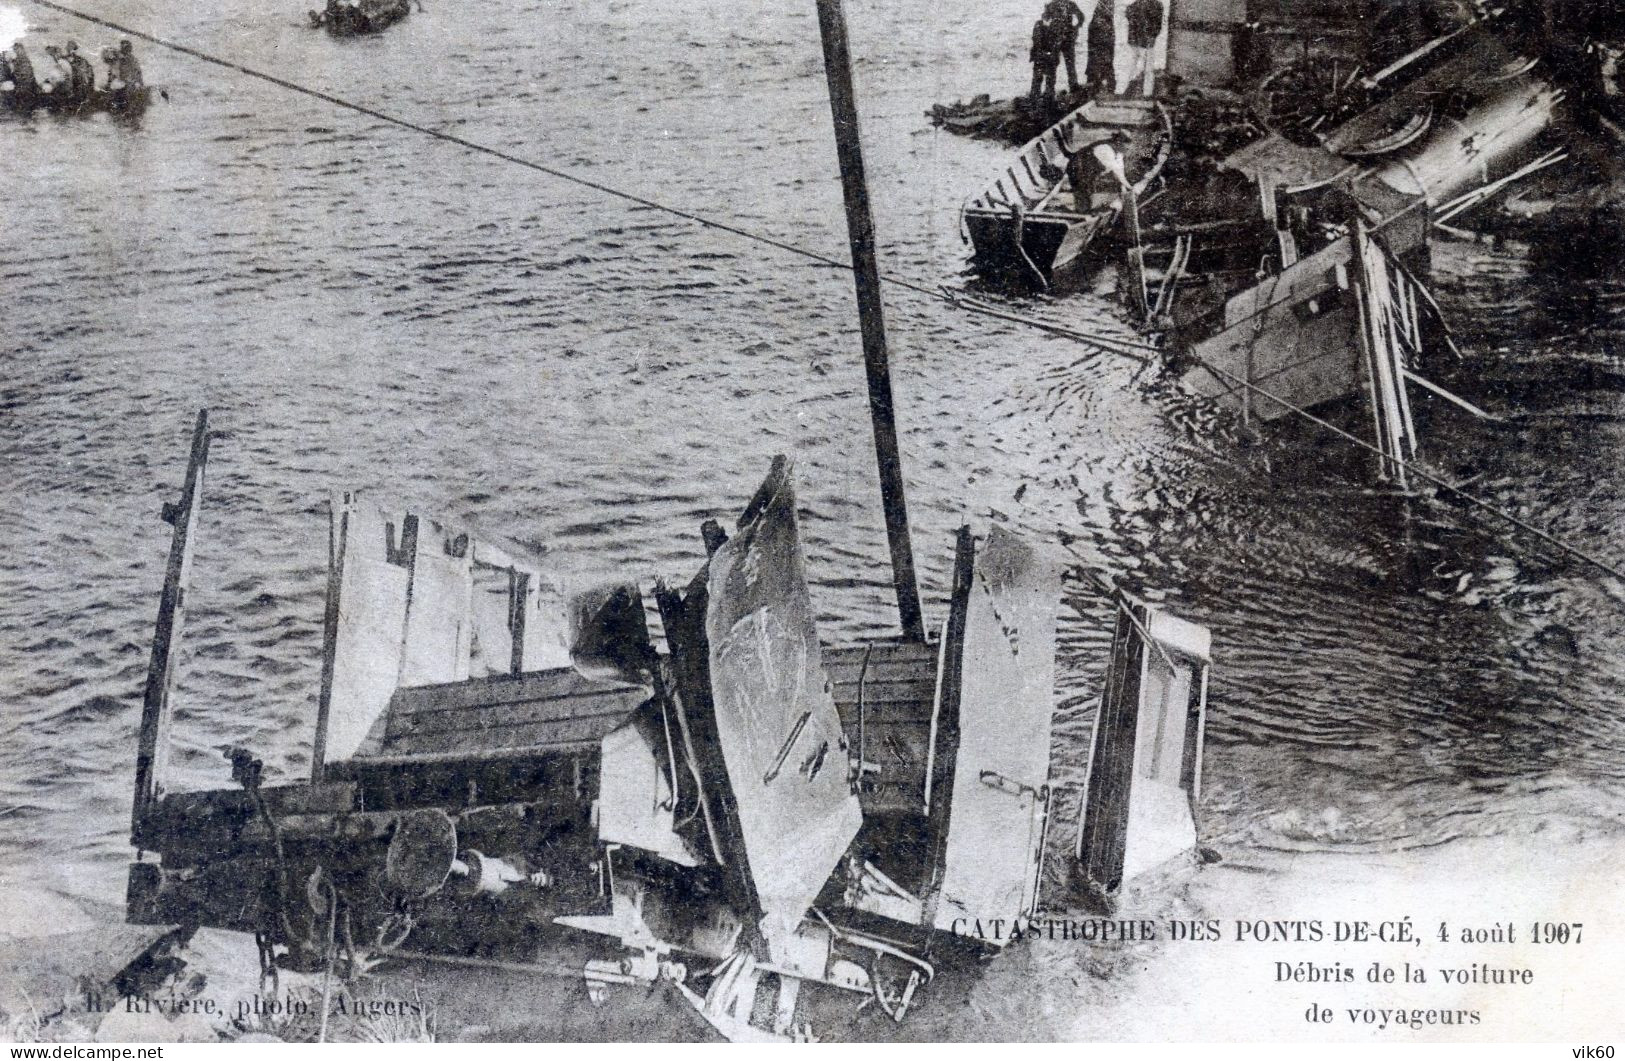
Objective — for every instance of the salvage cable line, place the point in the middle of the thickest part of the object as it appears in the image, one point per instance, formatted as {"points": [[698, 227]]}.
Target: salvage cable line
{"points": [[1421, 473], [1134, 348], [1111, 344]]}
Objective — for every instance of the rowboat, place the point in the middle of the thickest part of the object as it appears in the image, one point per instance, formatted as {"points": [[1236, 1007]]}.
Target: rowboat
{"points": [[1038, 220], [118, 102], [347, 18]]}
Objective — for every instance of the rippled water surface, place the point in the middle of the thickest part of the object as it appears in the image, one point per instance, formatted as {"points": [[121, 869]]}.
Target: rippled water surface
{"points": [[362, 306]]}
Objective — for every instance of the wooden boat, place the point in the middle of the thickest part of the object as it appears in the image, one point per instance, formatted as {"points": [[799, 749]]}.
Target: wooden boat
{"points": [[1009, 121], [1038, 220], [347, 18], [100, 101]]}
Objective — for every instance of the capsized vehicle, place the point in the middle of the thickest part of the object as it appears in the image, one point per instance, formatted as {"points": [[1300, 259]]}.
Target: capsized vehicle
{"points": [[1323, 304], [1440, 131], [501, 774]]}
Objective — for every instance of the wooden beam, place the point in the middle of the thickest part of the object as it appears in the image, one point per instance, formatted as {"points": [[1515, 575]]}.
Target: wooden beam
{"points": [[682, 615], [1377, 357], [942, 758], [337, 542], [1103, 831], [866, 275], [518, 606], [152, 747], [1136, 248], [1454, 399]]}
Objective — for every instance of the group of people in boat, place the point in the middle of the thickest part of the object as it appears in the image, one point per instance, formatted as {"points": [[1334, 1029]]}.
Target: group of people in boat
{"points": [[1055, 39], [64, 77], [360, 16]]}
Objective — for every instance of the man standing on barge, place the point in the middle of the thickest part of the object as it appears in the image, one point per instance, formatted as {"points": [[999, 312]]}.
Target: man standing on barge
{"points": [[127, 69], [1045, 55], [1067, 18], [1144, 27], [1100, 51], [24, 87]]}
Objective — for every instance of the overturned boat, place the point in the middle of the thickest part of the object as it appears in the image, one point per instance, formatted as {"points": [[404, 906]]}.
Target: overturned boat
{"points": [[348, 18], [1044, 220]]}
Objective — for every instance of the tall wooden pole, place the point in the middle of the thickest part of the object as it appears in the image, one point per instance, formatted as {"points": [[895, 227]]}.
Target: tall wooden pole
{"points": [[866, 274], [152, 741]]}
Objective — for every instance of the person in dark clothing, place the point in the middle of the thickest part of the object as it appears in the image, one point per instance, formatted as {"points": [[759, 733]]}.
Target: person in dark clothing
{"points": [[81, 74], [1045, 55], [1144, 27], [25, 88], [127, 69], [1249, 53], [1100, 53], [1067, 18]]}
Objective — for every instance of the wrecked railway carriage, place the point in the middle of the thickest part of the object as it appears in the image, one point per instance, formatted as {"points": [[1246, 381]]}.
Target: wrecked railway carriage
{"points": [[1280, 254], [745, 813], [1350, 194]]}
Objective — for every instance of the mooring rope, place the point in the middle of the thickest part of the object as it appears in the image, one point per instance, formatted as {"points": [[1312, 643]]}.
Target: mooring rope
{"points": [[1108, 343]]}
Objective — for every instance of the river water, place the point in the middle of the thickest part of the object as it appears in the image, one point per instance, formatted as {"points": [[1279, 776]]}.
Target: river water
{"points": [[362, 306]]}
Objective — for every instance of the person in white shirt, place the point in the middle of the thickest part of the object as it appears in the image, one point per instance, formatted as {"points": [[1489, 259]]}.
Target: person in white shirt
{"points": [[55, 78]]}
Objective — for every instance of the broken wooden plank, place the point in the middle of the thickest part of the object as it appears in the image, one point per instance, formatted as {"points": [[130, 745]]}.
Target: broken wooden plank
{"points": [[462, 724], [780, 735], [558, 684], [480, 742]]}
